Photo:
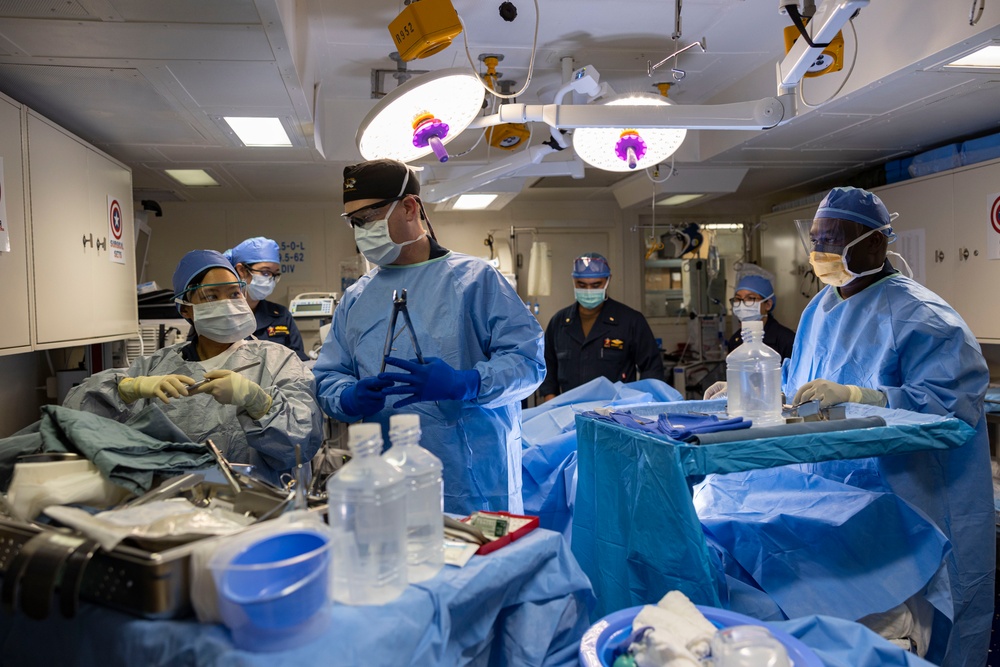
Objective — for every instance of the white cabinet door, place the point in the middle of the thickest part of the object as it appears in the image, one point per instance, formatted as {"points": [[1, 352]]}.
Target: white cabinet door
{"points": [[15, 334], [80, 295], [976, 275]]}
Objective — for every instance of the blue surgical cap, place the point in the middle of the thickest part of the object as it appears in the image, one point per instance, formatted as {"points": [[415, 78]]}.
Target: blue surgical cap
{"points": [[196, 262], [251, 251], [759, 285], [856, 205], [591, 265]]}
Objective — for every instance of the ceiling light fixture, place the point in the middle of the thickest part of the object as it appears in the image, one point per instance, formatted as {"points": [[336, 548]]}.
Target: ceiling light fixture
{"points": [[677, 200], [625, 149], [473, 202], [259, 131], [196, 178], [987, 57]]}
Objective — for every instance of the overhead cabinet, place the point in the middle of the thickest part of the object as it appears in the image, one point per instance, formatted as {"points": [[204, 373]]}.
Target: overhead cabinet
{"points": [[15, 333]]}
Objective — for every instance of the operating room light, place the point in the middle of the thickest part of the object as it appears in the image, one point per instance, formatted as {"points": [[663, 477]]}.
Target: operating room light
{"points": [[625, 149], [192, 177], [987, 57], [421, 116], [259, 131], [473, 202], [677, 200]]}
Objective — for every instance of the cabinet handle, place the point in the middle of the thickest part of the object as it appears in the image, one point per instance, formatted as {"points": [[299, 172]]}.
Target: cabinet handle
{"points": [[88, 240], [938, 256], [964, 253], [103, 244]]}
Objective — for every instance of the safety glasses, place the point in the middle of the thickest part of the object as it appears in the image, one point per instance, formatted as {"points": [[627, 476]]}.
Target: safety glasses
{"points": [[265, 272], [591, 266], [211, 292], [355, 220]]}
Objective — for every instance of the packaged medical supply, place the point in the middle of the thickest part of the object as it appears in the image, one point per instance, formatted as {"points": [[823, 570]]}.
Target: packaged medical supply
{"points": [[367, 511], [424, 497], [753, 377]]}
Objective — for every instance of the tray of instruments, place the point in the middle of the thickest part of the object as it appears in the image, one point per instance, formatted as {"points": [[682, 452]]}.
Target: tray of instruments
{"points": [[48, 569]]}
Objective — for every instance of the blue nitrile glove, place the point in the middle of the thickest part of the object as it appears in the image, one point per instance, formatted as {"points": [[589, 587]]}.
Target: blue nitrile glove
{"points": [[365, 397], [433, 380]]}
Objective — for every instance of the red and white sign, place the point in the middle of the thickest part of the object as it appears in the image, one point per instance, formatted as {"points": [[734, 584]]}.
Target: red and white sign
{"points": [[116, 247], [993, 229]]}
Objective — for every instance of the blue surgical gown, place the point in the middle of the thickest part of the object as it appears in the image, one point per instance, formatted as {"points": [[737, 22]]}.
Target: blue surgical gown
{"points": [[902, 339], [267, 443], [466, 313]]}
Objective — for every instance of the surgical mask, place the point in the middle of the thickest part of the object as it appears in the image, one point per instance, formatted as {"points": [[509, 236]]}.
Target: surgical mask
{"points": [[590, 298], [375, 243], [832, 268], [747, 312], [224, 321], [260, 287]]}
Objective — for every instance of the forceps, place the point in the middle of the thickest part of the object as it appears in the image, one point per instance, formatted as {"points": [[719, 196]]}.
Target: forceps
{"points": [[235, 370], [399, 306]]}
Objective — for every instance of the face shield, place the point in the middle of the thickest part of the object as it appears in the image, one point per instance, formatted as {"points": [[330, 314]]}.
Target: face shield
{"points": [[211, 292]]}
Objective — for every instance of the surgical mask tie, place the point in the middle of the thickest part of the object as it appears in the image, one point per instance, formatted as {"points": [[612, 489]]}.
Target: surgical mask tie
{"points": [[832, 268], [225, 321], [260, 287], [590, 298]]}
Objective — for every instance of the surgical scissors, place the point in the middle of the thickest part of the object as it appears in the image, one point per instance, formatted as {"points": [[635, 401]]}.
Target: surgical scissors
{"points": [[399, 306]]}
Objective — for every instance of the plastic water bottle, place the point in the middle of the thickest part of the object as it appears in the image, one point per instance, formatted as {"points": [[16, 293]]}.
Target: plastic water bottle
{"points": [[753, 378], [367, 511], [424, 497]]}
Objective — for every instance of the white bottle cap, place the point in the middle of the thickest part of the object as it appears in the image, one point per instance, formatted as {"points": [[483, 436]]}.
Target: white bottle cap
{"points": [[404, 420], [753, 325], [363, 431]]}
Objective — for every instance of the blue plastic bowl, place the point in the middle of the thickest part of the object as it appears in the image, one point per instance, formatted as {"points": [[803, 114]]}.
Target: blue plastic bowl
{"points": [[274, 588], [599, 641]]}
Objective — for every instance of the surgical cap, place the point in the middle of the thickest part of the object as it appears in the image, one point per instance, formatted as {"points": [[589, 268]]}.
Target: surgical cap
{"points": [[251, 251], [759, 285], [591, 265], [378, 179], [856, 205], [195, 263]]}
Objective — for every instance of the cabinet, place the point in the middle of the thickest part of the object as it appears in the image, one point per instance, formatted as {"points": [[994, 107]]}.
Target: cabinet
{"points": [[15, 334], [80, 295]]}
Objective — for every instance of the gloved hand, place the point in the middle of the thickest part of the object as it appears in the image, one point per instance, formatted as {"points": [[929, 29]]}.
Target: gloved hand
{"points": [[231, 388], [717, 390], [365, 397], [830, 393], [433, 380], [154, 386]]}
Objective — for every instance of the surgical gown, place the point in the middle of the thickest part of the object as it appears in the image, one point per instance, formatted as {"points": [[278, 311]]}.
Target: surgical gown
{"points": [[267, 443], [902, 339], [464, 312]]}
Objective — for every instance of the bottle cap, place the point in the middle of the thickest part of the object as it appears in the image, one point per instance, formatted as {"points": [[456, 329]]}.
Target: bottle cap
{"points": [[404, 420], [363, 431], [753, 325]]}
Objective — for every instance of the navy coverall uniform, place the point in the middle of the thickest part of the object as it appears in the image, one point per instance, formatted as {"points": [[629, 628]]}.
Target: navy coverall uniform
{"points": [[275, 323], [619, 345]]}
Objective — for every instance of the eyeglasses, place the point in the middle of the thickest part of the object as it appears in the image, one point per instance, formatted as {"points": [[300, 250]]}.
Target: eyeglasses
{"points": [[746, 301], [267, 273], [355, 220]]}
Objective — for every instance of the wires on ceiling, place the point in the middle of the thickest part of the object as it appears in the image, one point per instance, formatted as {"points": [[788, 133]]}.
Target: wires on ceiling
{"points": [[850, 70]]}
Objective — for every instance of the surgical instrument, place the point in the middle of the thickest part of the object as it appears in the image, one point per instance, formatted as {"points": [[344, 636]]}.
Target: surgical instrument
{"points": [[200, 383], [399, 306]]}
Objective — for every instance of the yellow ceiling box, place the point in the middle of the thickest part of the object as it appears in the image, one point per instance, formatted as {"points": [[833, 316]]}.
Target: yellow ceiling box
{"points": [[424, 27], [508, 136], [830, 60]]}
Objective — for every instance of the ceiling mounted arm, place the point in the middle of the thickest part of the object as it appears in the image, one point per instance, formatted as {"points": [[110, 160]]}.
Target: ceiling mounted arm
{"points": [[828, 21]]}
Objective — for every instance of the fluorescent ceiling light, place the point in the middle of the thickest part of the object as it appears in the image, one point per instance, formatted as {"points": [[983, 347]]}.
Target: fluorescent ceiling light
{"points": [[625, 149], [676, 200], [259, 131], [986, 57], [192, 177], [472, 202]]}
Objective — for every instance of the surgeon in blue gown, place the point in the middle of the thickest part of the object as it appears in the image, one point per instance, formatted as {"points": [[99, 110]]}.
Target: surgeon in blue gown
{"points": [[483, 350], [874, 336]]}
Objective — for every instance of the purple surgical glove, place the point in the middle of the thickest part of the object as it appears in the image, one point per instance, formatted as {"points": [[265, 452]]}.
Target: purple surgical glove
{"points": [[433, 380], [365, 397]]}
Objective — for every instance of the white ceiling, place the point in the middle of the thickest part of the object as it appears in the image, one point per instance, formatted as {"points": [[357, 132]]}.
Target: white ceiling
{"points": [[148, 81]]}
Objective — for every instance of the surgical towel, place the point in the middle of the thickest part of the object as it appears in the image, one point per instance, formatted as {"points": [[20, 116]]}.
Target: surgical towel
{"points": [[127, 454], [677, 426], [784, 430], [681, 634]]}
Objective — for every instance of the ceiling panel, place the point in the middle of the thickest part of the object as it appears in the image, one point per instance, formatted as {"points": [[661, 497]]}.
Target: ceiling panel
{"points": [[214, 84], [188, 11], [44, 9]]}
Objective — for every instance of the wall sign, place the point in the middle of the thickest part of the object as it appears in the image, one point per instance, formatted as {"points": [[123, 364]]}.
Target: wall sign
{"points": [[993, 228], [292, 254], [116, 246]]}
